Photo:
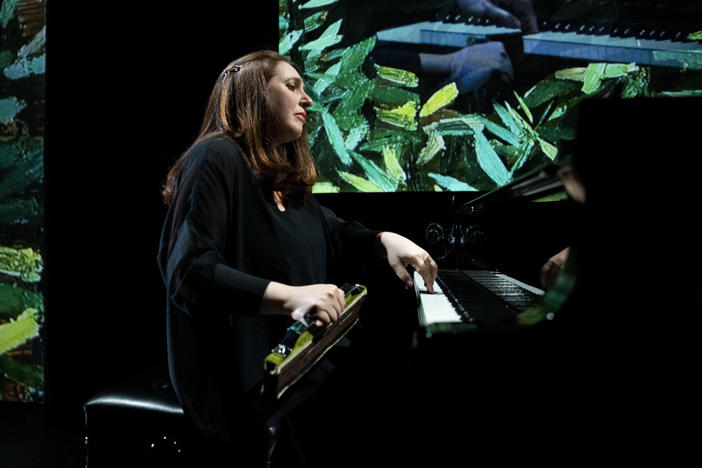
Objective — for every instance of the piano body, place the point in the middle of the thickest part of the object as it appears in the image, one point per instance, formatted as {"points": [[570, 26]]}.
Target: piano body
{"points": [[602, 370]]}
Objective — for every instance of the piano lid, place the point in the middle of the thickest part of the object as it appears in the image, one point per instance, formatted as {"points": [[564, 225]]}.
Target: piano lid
{"points": [[536, 184]]}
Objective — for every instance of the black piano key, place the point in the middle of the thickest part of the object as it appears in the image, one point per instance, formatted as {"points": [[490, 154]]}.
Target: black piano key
{"points": [[622, 18], [511, 293], [679, 36], [664, 34], [456, 303], [546, 25], [484, 297], [601, 31]]}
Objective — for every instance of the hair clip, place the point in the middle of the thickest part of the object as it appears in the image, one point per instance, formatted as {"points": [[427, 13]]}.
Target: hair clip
{"points": [[234, 69]]}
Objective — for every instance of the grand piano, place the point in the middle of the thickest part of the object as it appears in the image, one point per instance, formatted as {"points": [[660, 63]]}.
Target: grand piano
{"points": [[600, 368], [605, 372]]}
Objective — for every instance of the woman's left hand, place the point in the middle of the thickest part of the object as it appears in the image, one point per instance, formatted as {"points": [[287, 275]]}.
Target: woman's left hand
{"points": [[402, 252]]}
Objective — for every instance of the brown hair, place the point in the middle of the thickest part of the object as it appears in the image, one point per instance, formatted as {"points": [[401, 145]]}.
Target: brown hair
{"points": [[238, 108]]}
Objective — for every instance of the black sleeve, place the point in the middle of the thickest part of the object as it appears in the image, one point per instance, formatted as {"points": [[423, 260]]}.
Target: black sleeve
{"points": [[195, 266], [349, 238]]}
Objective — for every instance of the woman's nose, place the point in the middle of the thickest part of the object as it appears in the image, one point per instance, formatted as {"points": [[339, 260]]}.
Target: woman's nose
{"points": [[305, 100]]}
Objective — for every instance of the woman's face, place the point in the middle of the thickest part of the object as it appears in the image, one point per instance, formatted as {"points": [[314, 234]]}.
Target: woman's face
{"points": [[287, 100]]}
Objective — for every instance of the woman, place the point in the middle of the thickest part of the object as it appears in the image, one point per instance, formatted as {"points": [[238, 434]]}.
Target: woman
{"points": [[246, 249]]}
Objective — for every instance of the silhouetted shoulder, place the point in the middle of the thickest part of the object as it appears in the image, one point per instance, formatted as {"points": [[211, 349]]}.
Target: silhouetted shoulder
{"points": [[218, 151]]}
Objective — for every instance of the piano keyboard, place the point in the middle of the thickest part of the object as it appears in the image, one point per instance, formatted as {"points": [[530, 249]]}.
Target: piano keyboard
{"points": [[606, 48], [472, 299], [440, 33], [563, 44]]}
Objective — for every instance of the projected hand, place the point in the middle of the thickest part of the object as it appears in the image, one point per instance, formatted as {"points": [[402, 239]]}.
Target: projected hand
{"points": [[402, 252], [509, 13], [471, 67]]}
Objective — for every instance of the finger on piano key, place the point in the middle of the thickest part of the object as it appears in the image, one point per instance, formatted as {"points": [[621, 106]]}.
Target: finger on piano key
{"points": [[422, 287]]}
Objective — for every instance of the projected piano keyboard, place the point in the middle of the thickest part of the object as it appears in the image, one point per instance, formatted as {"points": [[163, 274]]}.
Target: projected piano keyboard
{"points": [[606, 48], [439, 33], [472, 299], [574, 43]]}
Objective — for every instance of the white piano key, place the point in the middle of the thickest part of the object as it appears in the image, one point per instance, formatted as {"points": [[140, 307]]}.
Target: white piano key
{"points": [[438, 309], [407, 34]]}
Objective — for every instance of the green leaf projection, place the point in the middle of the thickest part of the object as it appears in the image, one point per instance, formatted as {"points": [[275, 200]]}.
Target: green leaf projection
{"points": [[371, 130], [22, 61]]}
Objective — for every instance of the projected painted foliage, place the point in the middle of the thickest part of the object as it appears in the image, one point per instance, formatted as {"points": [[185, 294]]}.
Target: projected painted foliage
{"points": [[22, 61], [372, 130]]}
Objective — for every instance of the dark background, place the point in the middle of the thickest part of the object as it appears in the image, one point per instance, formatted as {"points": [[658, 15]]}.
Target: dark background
{"points": [[127, 87]]}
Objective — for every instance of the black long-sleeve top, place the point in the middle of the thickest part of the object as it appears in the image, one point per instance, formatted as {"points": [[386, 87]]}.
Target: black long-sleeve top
{"points": [[223, 241]]}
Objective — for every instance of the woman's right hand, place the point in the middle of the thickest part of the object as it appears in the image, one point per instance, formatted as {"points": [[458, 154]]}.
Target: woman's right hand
{"points": [[322, 302]]}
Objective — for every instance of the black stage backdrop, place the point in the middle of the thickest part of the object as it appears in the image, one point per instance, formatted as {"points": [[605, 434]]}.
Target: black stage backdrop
{"points": [[127, 87]]}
